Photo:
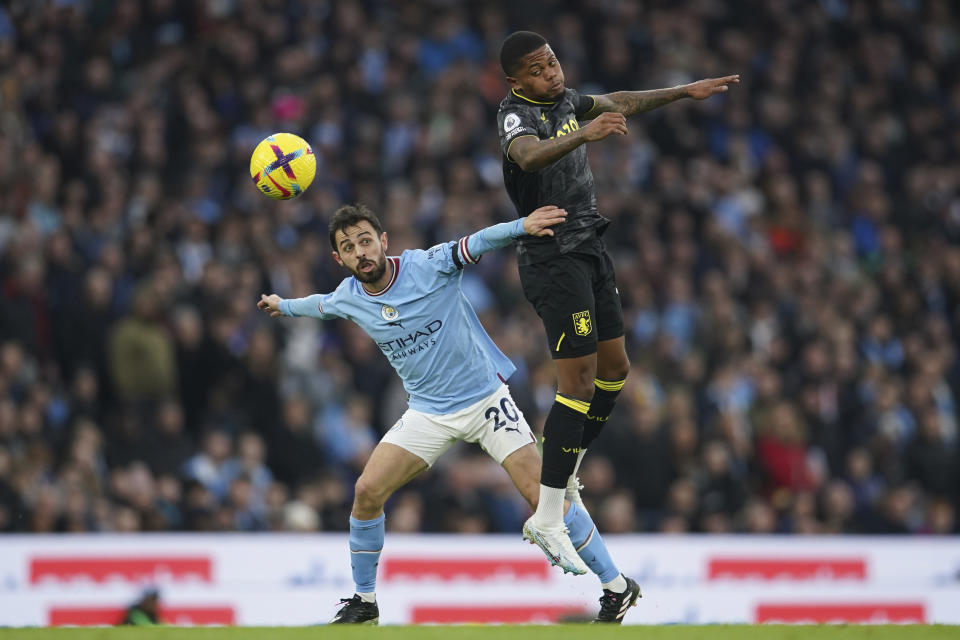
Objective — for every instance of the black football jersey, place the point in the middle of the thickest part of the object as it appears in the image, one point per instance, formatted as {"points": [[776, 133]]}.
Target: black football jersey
{"points": [[567, 183]]}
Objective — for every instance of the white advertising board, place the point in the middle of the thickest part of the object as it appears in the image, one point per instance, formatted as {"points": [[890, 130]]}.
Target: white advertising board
{"points": [[298, 579]]}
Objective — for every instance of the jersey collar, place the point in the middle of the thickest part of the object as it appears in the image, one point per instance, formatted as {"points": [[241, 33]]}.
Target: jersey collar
{"points": [[531, 101], [393, 278]]}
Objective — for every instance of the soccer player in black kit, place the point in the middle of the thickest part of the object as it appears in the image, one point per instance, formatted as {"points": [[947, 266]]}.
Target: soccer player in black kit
{"points": [[569, 277]]}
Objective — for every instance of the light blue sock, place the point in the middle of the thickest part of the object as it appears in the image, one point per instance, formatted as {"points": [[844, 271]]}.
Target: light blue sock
{"points": [[366, 543], [589, 545]]}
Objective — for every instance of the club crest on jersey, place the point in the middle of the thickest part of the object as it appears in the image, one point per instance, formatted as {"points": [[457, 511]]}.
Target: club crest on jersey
{"points": [[511, 122], [581, 323], [388, 313]]}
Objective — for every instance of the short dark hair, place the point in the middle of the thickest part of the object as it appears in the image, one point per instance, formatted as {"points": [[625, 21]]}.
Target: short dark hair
{"points": [[517, 45], [349, 215]]}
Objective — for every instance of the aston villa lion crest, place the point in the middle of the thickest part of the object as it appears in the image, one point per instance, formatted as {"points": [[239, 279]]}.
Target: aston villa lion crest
{"points": [[582, 324]]}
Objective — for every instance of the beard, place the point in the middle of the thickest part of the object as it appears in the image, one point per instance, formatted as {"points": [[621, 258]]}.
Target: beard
{"points": [[371, 276]]}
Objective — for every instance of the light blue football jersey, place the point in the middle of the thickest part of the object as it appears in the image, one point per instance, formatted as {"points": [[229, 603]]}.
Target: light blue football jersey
{"points": [[424, 324]]}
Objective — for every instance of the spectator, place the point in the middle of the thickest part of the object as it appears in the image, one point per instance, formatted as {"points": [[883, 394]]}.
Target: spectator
{"points": [[293, 453], [142, 361], [213, 467], [169, 444], [720, 491]]}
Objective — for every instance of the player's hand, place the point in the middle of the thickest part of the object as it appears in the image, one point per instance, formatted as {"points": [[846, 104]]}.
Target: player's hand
{"points": [[705, 88], [604, 125], [270, 304], [539, 222]]}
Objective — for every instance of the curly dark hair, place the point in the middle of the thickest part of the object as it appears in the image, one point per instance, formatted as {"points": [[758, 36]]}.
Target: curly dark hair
{"points": [[349, 215]]}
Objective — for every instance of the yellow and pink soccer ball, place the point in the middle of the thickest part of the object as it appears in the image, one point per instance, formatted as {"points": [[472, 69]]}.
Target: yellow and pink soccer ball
{"points": [[283, 166]]}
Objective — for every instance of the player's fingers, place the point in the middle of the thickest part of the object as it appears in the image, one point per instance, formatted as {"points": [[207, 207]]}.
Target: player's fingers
{"points": [[546, 232]]}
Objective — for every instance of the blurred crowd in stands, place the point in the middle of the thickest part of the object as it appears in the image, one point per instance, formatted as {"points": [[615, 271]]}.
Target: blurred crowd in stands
{"points": [[788, 256]]}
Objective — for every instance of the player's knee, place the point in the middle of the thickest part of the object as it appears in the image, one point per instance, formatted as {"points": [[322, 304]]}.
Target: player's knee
{"points": [[582, 391], [580, 388], [368, 495], [617, 371], [614, 368], [577, 381]]}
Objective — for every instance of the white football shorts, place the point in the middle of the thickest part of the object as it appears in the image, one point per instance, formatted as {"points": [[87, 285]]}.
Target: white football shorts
{"points": [[494, 422]]}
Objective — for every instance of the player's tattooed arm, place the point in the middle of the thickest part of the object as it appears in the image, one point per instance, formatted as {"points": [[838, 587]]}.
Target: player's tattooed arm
{"points": [[633, 102], [533, 154]]}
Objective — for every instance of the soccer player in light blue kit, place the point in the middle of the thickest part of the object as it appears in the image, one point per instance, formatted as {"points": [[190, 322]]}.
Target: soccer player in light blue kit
{"points": [[413, 306]]}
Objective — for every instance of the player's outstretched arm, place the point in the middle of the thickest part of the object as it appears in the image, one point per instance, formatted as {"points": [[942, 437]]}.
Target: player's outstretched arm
{"points": [[538, 223], [631, 103], [276, 306]]}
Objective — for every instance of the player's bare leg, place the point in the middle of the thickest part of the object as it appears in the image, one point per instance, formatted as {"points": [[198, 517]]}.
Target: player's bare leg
{"points": [[523, 466], [389, 468], [575, 376]]}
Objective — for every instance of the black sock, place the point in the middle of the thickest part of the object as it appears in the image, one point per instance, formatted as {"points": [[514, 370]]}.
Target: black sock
{"points": [[562, 434], [605, 394]]}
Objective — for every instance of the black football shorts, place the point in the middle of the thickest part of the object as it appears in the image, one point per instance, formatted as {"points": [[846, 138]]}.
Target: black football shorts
{"points": [[575, 294]]}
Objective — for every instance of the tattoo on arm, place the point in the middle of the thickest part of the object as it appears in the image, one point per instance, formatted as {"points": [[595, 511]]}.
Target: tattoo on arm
{"points": [[633, 102], [532, 154]]}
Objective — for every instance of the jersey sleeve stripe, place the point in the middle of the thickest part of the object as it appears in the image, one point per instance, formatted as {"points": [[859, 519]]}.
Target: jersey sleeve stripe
{"points": [[466, 252], [455, 256]]}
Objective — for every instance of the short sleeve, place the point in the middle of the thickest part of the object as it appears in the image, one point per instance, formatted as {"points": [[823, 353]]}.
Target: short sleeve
{"points": [[515, 121], [582, 103]]}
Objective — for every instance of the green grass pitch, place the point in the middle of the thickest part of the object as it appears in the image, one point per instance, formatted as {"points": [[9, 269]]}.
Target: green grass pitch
{"points": [[493, 632]]}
